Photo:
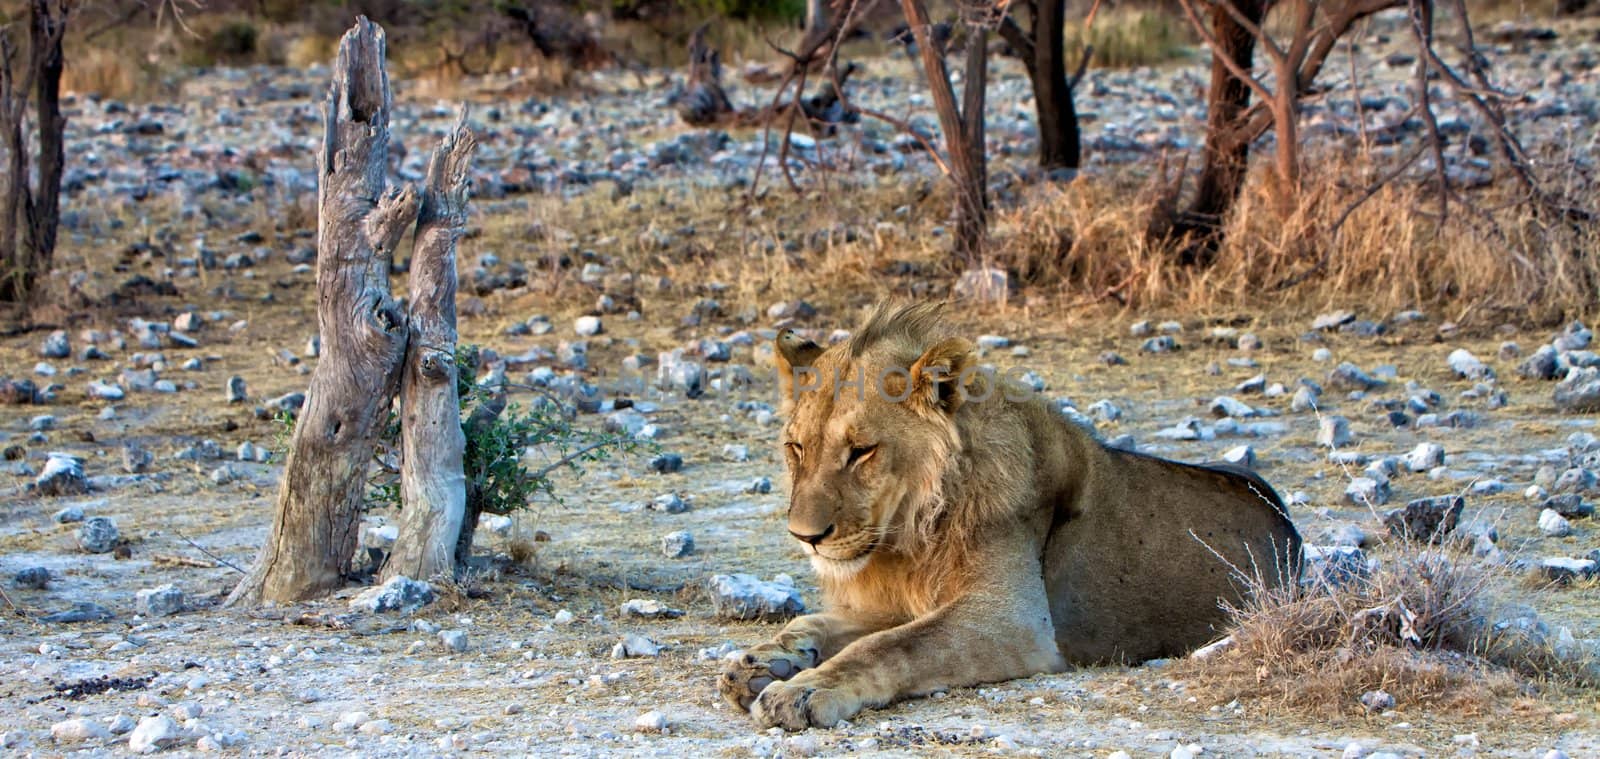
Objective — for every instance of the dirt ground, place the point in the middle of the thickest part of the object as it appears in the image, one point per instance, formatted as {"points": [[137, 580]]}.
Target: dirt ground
{"points": [[537, 675], [527, 684]]}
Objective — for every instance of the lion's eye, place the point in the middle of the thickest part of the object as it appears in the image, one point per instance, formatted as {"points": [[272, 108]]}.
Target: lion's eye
{"points": [[859, 453]]}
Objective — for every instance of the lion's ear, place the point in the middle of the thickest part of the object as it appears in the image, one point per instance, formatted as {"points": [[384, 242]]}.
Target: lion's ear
{"points": [[937, 377], [791, 350], [793, 356]]}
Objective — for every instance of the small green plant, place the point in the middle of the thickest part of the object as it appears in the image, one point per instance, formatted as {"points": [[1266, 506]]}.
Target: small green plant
{"points": [[498, 434]]}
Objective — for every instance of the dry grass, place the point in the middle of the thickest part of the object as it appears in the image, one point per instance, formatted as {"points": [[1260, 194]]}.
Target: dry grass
{"points": [[1088, 239], [1128, 36], [1418, 626]]}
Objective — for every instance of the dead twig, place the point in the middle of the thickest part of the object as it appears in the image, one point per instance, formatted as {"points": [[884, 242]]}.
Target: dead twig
{"points": [[214, 557]]}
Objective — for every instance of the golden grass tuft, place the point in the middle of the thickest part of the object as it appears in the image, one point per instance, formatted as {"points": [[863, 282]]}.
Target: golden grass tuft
{"points": [[1418, 626], [1088, 239], [1126, 37]]}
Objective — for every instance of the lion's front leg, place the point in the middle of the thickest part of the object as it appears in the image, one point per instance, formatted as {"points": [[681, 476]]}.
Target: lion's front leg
{"points": [[803, 644], [996, 632]]}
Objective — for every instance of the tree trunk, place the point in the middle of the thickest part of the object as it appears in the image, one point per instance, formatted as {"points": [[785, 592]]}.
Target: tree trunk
{"points": [[1059, 142], [966, 156], [363, 332], [1227, 149], [816, 14], [31, 213], [972, 210], [432, 486]]}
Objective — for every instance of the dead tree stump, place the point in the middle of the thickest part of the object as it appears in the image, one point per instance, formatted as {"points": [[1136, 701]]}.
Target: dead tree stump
{"points": [[433, 490], [363, 331], [705, 103]]}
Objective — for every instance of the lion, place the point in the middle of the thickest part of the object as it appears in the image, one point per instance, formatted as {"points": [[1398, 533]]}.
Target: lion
{"points": [[964, 531]]}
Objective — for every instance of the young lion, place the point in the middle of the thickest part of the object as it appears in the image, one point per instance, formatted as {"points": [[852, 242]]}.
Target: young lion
{"points": [[963, 531]]}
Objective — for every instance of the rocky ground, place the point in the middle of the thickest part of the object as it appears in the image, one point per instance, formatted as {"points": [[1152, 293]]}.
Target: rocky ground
{"points": [[141, 455]]}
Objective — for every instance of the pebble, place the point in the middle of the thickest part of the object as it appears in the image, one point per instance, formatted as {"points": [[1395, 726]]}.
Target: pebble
{"points": [[1159, 344], [1425, 518], [34, 578], [1348, 376], [160, 601], [742, 596], [587, 326], [644, 608], [1575, 337], [669, 503], [1564, 570], [677, 544], [651, 722], [1227, 406], [1366, 491], [235, 391], [1553, 525], [56, 345], [1424, 457], [98, 535], [78, 730], [400, 593], [1242, 455], [69, 515], [454, 641], [1544, 364], [1465, 365], [1189, 751], [1334, 432], [106, 391], [1377, 701], [666, 463], [1579, 393], [635, 646], [153, 734], [62, 475]]}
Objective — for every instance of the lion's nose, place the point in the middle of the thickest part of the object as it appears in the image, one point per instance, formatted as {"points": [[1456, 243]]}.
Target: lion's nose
{"points": [[813, 539]]}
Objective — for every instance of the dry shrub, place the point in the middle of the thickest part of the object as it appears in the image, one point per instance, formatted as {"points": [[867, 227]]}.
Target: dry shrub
{"points": [[1417, 626], [1495, 255]]}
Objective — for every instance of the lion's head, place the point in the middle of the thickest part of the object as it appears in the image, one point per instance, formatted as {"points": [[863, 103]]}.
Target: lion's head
{"points": [[871, 433]]}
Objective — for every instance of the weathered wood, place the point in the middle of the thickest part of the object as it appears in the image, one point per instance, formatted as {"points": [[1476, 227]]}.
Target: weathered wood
{"points": [[363, 332], [705, 102], [432, 486]]}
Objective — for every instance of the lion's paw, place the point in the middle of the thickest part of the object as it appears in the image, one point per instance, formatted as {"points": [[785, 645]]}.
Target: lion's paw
{"points": [[751, 672], [801, 703]]}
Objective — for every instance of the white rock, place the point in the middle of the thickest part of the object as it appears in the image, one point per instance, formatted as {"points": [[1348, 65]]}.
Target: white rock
{"points": [[1333, 432], [563, 618], [651, 722], [587, 326], [1466, 365], [1553, 525], [1227, 406], [742, 596], [398, 594], [153, 734], [1190, 751], [78, 730], [1424, 457], [376, 727], [454, 641], [635, 646], [1212, 649], [1242, 455], [160, 601]]}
